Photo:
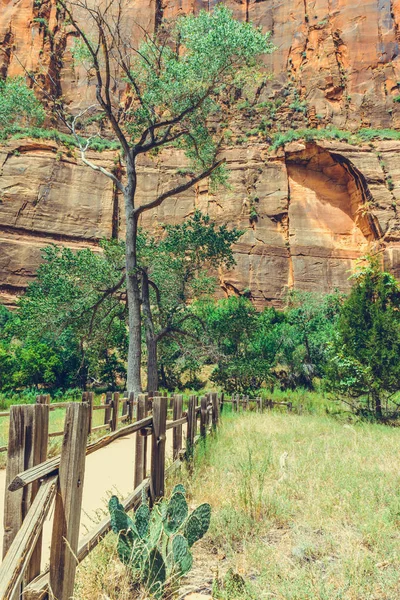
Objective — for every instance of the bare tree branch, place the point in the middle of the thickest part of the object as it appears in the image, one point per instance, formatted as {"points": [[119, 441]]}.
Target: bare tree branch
{"points": [[178, 189]]}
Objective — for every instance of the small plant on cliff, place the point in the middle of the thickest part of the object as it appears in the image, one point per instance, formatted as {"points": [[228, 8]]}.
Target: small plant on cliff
{"points": [[156, 543], [18, 104]]}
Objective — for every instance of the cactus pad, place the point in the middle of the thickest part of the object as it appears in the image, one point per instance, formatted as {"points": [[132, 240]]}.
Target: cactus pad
{"points": [[179, 488], [198, 523], [120, 521], [177, 512], [155, 527], [154, 572], [182, 555], [142, 520]]}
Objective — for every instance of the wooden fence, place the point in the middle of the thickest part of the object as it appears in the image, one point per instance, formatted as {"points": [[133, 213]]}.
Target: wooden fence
{"points": [[119, 408], [33, 483], [112, 406]]}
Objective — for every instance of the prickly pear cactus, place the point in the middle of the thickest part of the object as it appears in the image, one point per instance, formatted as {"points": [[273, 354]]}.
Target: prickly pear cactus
{"points": [[156, 543]]}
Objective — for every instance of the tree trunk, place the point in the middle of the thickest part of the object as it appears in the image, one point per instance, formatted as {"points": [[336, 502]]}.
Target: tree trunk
{"points": [[378, 404], [151, 338], [132, 287]]}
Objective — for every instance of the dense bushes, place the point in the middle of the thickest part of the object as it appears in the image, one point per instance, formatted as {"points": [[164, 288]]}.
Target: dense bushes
{"points": [[364, 365], [70, 329]]}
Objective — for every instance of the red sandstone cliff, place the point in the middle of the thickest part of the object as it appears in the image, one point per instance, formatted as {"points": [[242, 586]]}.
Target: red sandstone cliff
{"points": [[319, 205]]}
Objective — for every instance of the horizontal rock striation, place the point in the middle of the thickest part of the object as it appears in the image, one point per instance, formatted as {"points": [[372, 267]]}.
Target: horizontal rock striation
{"points": [[308, 212]]}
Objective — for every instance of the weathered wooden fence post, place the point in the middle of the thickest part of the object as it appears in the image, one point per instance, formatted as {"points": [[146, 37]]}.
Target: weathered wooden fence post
{"points": [[191, 426], [203, 416], [158, 448], [115, 411], [107, 411], [131, 403], [90, 399], [177, 431], [67, 513], [221, 402], [43, 399], [125, 404], [27, 447], [215, 410], [141, 442]]}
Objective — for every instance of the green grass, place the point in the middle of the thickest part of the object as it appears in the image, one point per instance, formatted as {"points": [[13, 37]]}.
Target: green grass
{"points": [[332, 133], [279, 139], [17, 132], [321, 522]]}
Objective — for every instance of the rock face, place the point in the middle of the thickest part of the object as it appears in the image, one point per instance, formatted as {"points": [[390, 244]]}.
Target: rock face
{"points": [[308, 211], [319, 207]]}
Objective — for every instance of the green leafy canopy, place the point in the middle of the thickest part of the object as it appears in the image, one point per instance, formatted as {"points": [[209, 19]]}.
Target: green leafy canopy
{"points": [[18, 104]]}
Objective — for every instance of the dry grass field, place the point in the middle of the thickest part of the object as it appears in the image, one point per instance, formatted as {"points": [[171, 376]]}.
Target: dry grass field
{"points": [[304, 508]]}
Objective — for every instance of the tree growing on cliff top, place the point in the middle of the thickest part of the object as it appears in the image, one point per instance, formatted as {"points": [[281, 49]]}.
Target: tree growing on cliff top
{"points": [[163, 91]]}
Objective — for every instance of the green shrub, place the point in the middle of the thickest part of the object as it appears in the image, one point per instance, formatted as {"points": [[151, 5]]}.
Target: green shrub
{"points": [[18, 104]]}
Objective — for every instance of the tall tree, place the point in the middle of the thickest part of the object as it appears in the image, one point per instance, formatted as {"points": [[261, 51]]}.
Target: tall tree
{"points": [[177, 269], [365, 355], [164, 91]]}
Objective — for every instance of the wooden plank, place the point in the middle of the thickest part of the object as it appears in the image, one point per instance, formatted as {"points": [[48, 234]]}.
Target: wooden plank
{"points": [[203, 416], [131, 403], [56, 434], [55, 405], [157, 477], [100, 407], [125, 405], [4, 414], [37, 455], [99, 427], [38, 588], [67, 512], [178, 423], [141, 443], [51, 466], [221, 402], [19, 554], [90, 400], [215, 410], [190, 433], [115, 411], [177, 432], [43, 399], [107, 414], [27, 447], [3, 448], [13, 503]]}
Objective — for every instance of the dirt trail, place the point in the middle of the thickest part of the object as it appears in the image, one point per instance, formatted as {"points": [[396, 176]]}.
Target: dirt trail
{"points": [[110, 469]]}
